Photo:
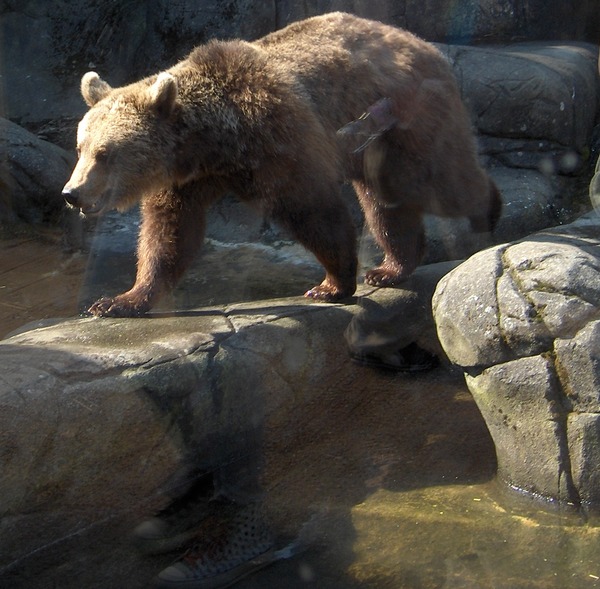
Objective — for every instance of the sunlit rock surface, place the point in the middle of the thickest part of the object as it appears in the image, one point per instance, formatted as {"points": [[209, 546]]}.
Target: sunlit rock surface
{"points": [[391, 473], [523, 321]]}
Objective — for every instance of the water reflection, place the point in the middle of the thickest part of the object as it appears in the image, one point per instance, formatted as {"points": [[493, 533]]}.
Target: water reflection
{"points": [[479, 537]]}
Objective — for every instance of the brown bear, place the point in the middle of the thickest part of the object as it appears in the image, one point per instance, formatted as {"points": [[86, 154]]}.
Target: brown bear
{"points": [[260, 120]]}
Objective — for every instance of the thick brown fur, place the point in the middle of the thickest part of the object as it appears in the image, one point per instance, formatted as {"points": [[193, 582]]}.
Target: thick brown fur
{"points": [[260, 120]]}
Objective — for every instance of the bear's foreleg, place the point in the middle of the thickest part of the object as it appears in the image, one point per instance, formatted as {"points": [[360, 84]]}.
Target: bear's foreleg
{"points": [[171, 233], [400, 234]]}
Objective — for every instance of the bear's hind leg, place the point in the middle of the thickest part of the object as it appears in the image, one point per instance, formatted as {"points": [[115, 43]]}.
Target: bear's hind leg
{"points": [[400, 234], [488, 220], [324, 227]]}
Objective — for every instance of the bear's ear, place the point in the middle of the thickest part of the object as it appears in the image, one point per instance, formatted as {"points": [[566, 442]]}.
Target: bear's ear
{"points": [[163, 94], [93, 88]]}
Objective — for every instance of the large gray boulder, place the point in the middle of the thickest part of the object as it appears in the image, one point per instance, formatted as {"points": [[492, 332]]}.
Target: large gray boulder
{"points": [[531, 102], [32, 174], [523, 321], [98, 415], [540, 84]]}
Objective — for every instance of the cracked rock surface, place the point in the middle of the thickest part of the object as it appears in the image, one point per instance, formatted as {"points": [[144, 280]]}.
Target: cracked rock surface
{"points": [[523, 321]]}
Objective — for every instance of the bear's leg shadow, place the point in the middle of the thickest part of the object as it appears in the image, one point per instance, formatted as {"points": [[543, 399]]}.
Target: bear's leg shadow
{"points": [[400, 233], [171, 234], [321, 222]]}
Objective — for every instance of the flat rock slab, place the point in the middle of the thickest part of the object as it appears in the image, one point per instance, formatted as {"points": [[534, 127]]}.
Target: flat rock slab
{"points": [[98, 415]]}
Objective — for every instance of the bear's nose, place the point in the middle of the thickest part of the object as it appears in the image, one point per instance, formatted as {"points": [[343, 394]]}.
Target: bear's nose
{"points": [[71, 195]]}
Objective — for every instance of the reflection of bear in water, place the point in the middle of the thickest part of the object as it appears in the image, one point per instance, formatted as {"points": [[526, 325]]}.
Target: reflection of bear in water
{"points": [[260, 120]]}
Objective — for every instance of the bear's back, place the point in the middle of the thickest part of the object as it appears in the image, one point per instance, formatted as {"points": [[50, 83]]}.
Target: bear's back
{"points": [[346, 63]]}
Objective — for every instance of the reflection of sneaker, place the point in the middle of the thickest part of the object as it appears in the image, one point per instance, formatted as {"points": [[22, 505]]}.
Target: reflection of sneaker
{"points": [[412, 358], [233, 543], [176, 524]]}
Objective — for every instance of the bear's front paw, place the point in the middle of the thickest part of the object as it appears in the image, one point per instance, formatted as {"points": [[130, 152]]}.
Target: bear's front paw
{"points": [[117, 307]]}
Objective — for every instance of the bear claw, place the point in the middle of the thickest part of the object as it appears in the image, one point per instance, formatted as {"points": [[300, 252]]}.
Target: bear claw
{"points": [[384, 277], [107, 307], [328, 294]]}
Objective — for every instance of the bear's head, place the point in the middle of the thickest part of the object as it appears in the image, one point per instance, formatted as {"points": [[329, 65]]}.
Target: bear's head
{"points": [[125, 143]]}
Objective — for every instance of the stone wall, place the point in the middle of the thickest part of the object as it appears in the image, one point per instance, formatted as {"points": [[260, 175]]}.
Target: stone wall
{"points": [[47, 46]]}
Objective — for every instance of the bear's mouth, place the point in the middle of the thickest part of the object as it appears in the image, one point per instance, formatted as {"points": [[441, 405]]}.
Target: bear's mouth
{"points": [[95, 208], [92, 210]]}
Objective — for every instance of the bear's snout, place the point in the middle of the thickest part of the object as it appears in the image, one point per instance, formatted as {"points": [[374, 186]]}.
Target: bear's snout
{"points": [[71, 195]]}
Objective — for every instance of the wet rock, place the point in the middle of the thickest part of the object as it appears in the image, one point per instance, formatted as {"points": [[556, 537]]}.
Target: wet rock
{"points": [[584, 433], [520, 401], [32, 174], [523, 321]]}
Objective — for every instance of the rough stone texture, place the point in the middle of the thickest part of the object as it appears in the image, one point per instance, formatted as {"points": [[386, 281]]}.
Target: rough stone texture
{"points": [[43, 38], [541, 85], [578, 362], [584, 448], [98, 414], [522, 296], [32, 174], [521, 399], [522, 319]]}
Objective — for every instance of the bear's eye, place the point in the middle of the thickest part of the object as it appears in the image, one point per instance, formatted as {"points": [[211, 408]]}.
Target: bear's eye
{"points": [[102, 156]]}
